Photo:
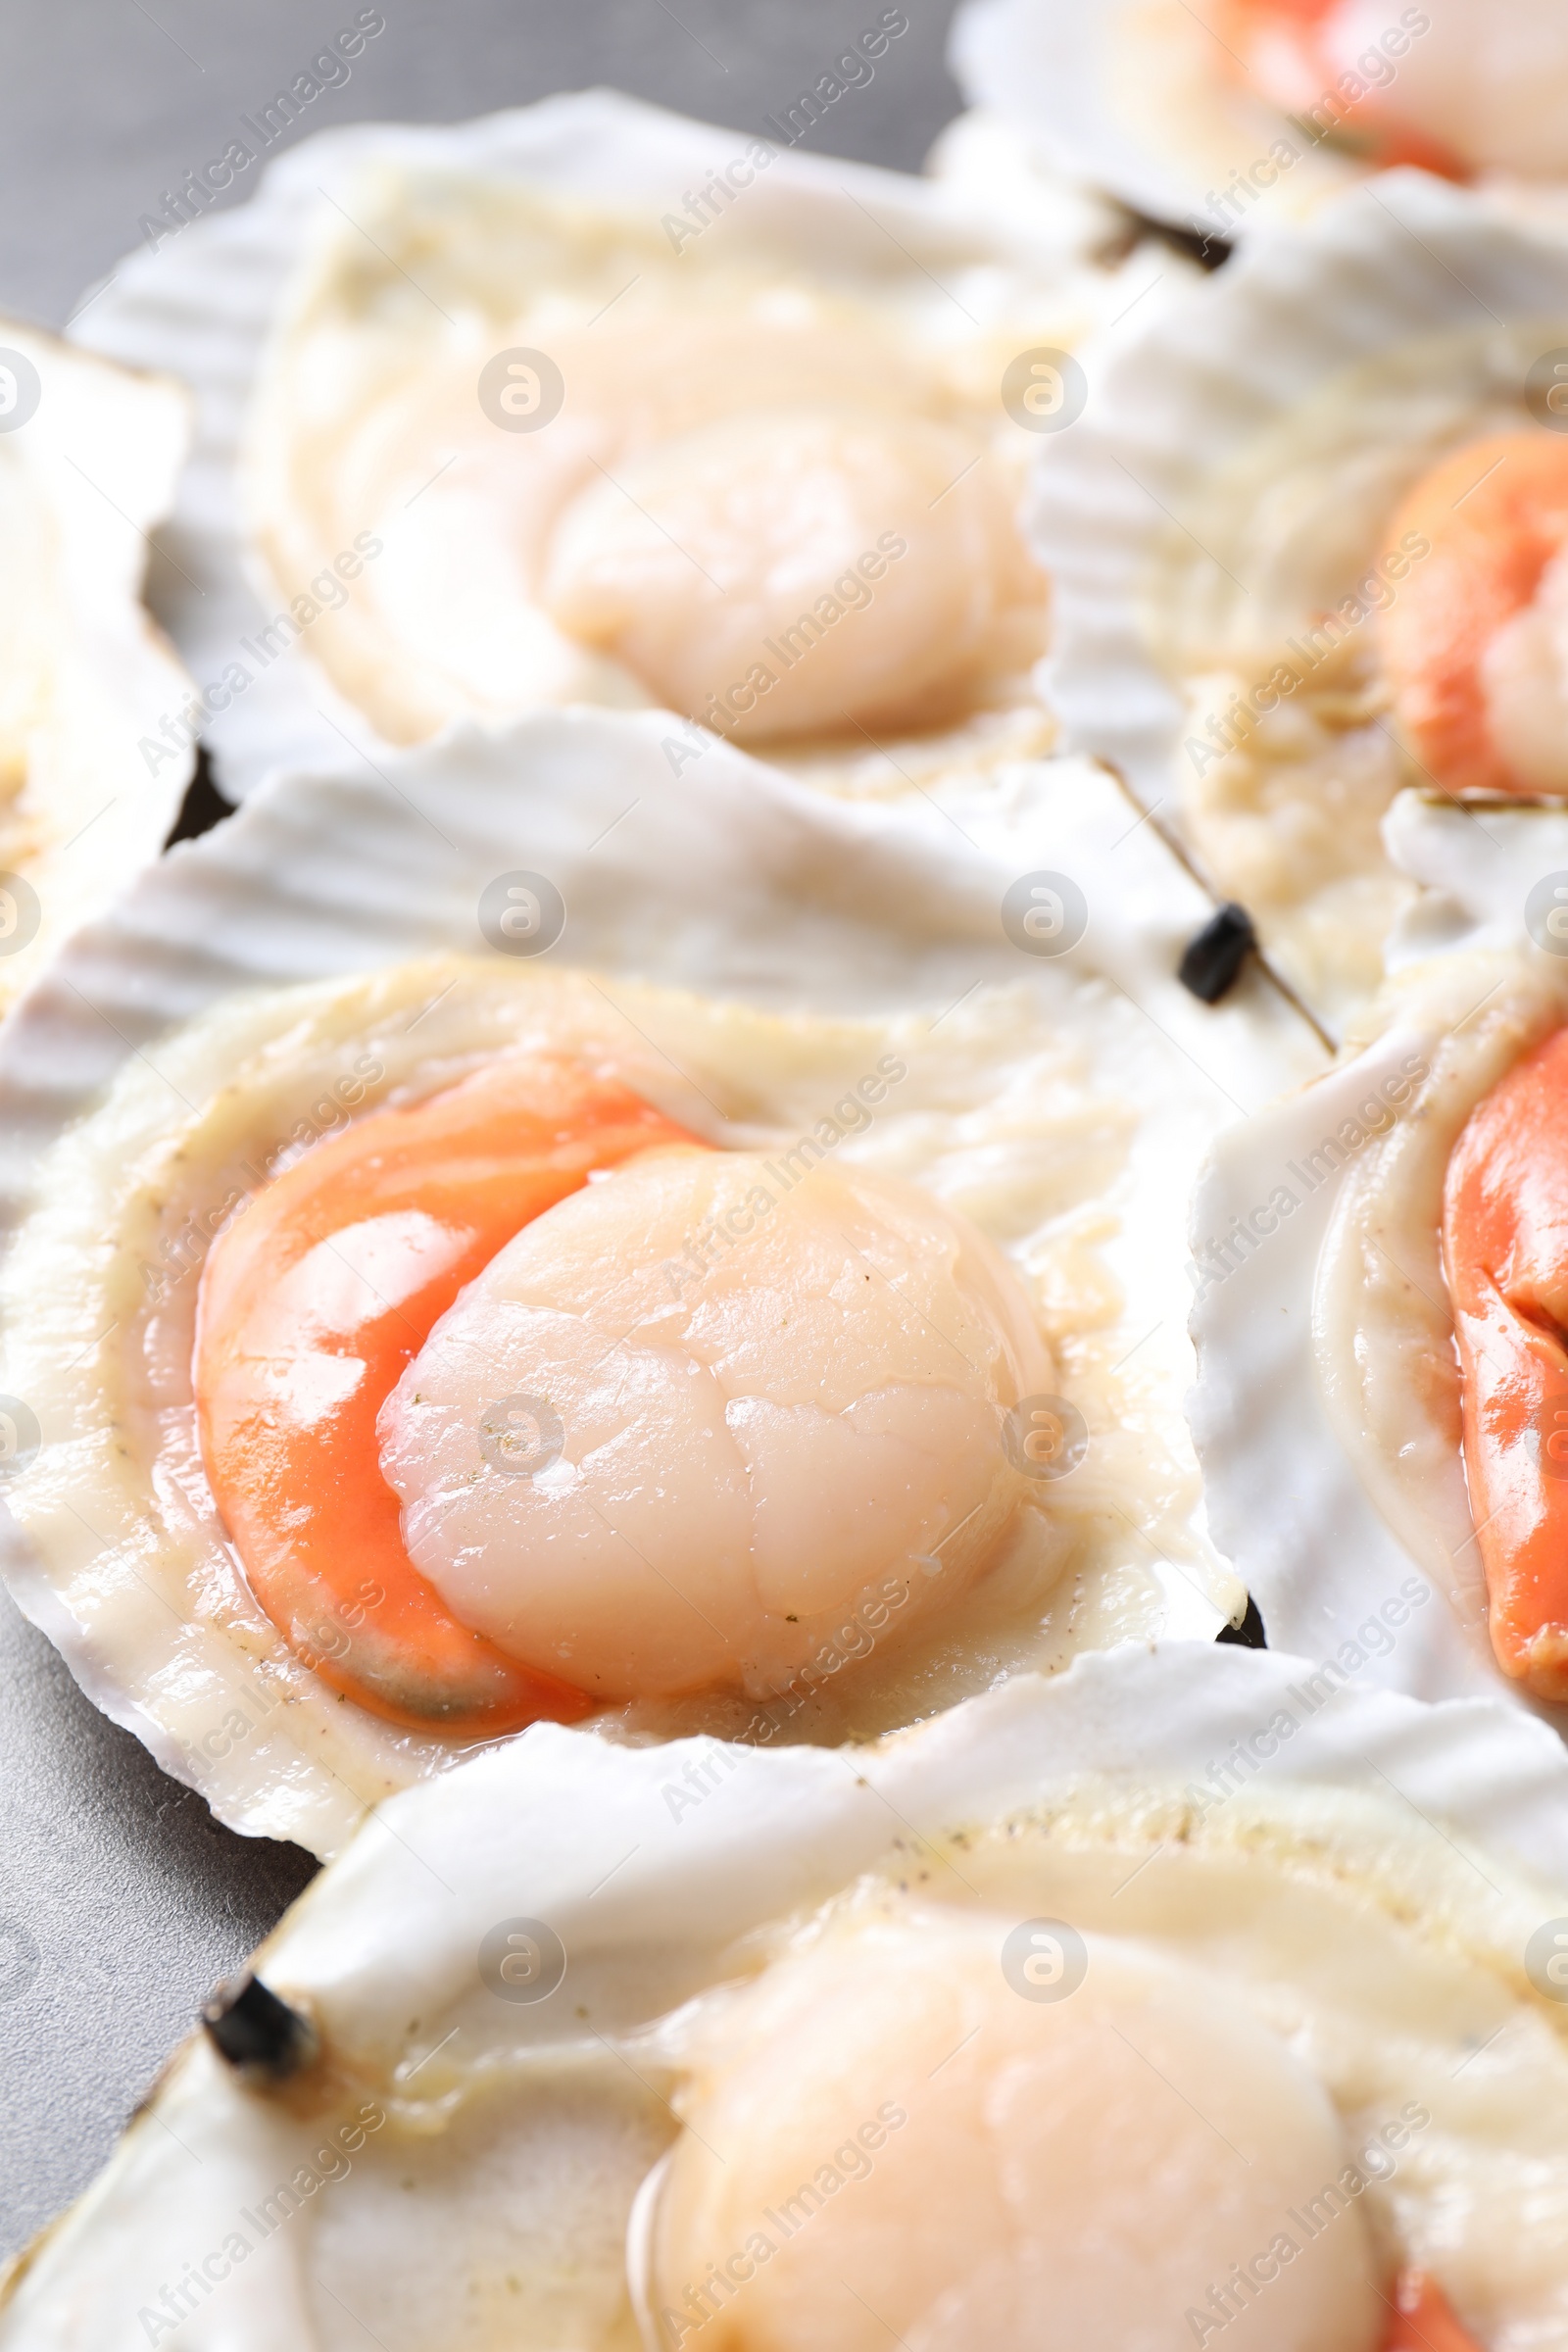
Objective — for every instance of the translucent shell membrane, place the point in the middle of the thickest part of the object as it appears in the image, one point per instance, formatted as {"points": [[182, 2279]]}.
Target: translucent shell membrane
{"points": [[311, 1304]]}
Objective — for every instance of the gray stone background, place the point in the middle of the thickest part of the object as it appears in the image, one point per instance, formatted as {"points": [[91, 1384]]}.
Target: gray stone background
{"points": [[122, 1901]]}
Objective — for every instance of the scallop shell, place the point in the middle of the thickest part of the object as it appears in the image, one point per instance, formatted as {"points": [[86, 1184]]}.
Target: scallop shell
{"points": [[1125, 97], [1325, 1412], [522, 2129], [204, 301], [1226, 489], [95, 750], [1147, 101], [725, 878], [1479, 864]]}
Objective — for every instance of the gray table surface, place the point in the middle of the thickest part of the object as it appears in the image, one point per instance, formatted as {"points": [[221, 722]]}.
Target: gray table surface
{"points": [[122, 1901]]}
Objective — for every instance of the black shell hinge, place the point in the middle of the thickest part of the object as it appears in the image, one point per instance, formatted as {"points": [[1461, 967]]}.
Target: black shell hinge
{"points": [[256, 2033], [1213, 956], [1249, 1633]]}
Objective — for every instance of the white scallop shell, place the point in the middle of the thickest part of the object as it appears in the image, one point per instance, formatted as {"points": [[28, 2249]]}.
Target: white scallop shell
{"points": [[1124, 96], [1142, 100], [1403, 272], [204, 302], [1286, 1501], [653, 1903], [724, 877], [1312, 1511], [88, 684], [1479, 863]]}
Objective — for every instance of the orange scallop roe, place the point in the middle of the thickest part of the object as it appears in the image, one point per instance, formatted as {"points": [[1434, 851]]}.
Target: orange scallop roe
{"points": [[1305, 13], [1505, 1252], [1283, 52], [312, 1304], [1424, 2320], [1496, 513]]}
